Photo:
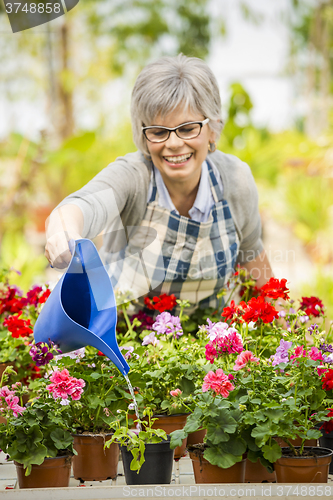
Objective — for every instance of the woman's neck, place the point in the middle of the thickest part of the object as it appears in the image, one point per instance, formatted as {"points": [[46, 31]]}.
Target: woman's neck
{"points": [[183, 195]]}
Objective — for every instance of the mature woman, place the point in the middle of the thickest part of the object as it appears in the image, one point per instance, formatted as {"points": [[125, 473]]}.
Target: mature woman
{"points": [[177, 215]]}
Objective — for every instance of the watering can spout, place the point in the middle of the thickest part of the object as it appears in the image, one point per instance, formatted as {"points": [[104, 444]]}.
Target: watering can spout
{"points": [[81, 309]]}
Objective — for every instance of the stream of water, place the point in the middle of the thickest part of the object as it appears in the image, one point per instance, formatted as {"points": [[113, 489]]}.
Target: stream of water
{"points": [[134, 400]]}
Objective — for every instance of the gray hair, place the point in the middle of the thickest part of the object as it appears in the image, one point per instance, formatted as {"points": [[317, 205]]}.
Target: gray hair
{"points": [[169, 83]]}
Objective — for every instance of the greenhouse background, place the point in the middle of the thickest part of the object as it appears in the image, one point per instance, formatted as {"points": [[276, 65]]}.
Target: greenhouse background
{"points": [[64, 115]]}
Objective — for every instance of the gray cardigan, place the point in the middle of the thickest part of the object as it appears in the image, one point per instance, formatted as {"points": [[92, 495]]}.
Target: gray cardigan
{"points": [[122, 187]]}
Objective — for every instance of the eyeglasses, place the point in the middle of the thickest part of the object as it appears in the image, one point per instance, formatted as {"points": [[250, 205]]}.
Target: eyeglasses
{"points": [[185, 131]]}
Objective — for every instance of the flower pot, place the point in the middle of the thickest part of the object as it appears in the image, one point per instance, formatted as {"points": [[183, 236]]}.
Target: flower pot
{"points": [[93, 462], [306, 469], [205, 472], [52, 473], [326, 441], [257, 473], [170, 423], [196, 437], [157, 468]]}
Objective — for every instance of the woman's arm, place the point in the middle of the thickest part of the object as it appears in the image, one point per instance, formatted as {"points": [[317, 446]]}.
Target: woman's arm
{"points": [[64, 224], [260, 269]]}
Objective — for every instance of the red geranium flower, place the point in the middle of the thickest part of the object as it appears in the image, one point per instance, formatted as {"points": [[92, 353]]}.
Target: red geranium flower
{"points": [[34, 372], [10, 303], [43, 298], [328, 426], [17, 326], [162, 303], [259, 309], [328, 380], [230, 312], [275, 289], [313, 306]]}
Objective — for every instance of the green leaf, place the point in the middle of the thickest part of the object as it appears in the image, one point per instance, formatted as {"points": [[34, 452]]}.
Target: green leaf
{"points": [[261, 433], [33, 456], [216, 435], [236, 446], [272, 452], [61, 438], [192, 425], [187, 386], [313, 434], [223, 460], [177, 438]]}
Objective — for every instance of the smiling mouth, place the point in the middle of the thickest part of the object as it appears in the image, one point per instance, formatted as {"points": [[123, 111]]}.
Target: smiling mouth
{"points": [[178, 158]]}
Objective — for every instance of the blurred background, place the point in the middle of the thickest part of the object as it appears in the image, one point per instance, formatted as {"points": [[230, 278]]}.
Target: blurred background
{"points": [[64, 115]]}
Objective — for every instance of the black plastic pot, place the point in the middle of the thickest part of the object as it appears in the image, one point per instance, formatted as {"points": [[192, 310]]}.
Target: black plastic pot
{"points": [[326, 441], [157, 468]]}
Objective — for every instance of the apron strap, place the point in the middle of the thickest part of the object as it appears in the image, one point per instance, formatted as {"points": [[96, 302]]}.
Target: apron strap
{"points": [[153, 185], [216, 190]]}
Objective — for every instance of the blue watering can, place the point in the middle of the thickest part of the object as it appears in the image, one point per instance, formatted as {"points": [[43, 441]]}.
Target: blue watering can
{"points": [[81, 309]]}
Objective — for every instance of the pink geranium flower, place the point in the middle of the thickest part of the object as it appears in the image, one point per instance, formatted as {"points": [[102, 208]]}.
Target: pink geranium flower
{"points": [[63, 385], [175, 393], [8, 401], [217, 382], [243, 359], [228, 341], [299, 352], [315, 354]]}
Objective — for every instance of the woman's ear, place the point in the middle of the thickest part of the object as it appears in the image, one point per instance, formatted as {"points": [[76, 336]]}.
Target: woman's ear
{"points": [[212, 136]]}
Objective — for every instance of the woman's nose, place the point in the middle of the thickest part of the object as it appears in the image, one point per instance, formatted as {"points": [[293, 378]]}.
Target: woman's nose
{"points": [[174, 141]]}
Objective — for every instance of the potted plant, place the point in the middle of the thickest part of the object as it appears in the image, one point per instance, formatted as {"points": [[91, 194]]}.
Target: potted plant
{"points": [[168, 362], [105, 393], [36, 436], [283, 395], [18, 314], [146, 453], [221, 457]]}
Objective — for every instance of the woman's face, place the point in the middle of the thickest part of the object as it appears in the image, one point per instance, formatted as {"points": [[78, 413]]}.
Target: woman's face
{"points": [[164, 155]]}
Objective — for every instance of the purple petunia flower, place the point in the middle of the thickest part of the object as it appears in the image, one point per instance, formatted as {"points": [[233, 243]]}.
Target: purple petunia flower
{"points": [[281, 353], [326, 348], [41, 354], [328, 359], [167, 324], [313, 328]]}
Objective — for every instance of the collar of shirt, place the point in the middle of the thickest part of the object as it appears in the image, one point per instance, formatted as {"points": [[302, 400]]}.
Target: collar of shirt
{"points": [[204, 200]]}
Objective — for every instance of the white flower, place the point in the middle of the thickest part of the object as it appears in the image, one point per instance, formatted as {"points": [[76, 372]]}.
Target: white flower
{"points": [[150, 339], [251, 326], [218, 330], [131, 406], [64, 402]]}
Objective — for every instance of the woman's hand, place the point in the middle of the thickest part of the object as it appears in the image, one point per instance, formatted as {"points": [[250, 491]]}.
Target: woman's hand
{"points": [[63, 225], [57, 250]]}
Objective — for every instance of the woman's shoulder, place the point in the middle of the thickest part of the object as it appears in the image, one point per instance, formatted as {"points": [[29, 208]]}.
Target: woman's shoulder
{"points": [[230, 165], [236, 175], [135, 162]]}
